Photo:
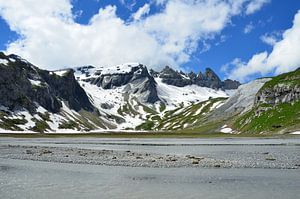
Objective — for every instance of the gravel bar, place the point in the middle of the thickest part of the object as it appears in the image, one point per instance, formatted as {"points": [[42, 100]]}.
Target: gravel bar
{"points": [[134, 159]]}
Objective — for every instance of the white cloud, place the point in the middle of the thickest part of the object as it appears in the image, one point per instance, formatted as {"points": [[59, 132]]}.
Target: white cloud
{"points": [[271, 38], [248, 28], [284, 57], [255, 5], [142, 11], [50, 37]]}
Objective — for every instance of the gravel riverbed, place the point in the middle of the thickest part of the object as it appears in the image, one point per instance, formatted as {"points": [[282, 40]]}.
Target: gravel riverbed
{"points": [[234, 159]]}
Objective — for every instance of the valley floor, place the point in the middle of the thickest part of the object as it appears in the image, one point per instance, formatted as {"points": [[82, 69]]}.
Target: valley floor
{"points": [[149, 168], [163, 153]]}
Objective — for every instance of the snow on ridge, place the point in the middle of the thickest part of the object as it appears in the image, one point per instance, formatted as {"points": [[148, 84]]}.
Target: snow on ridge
{"points": [[174, 95], [35, 82], [3, 61], [118, 69], [59, 72], [84, 72]]}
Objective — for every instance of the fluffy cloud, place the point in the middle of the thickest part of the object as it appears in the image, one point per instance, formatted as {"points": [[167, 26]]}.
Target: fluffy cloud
{"points": [[141, 12], [255, 5], [50, 37], [283, 58], [271, 38]]}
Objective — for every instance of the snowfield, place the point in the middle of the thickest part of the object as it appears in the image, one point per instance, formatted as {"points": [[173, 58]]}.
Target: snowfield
{"points": [[174, 96]]}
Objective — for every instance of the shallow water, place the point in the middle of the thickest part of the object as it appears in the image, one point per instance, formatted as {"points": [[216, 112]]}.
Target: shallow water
{"points": [[29, 179]]}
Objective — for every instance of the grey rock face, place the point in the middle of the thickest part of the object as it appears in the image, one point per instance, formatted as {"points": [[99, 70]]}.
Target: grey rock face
{"points": [[175, 78], [284, 88], [17, 90], [241, 101], [210, 79], [229, 84], [137, 81], [281, 93]]}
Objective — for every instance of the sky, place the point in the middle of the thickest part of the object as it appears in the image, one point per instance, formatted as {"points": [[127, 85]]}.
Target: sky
{"points": [[238, 39]]}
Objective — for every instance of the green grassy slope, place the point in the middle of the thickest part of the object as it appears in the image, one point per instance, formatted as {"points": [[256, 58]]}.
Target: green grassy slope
{"points": [[273, 118], [181, 117]]}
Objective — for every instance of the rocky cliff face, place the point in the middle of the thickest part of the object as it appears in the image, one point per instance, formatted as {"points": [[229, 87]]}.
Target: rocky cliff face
{"points": [[276, 107], [22, 85], [281, 89], [210, 79], [278, 94], [135, 77]]}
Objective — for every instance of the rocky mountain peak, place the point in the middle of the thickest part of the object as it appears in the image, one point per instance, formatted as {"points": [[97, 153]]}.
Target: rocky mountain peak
{"points": [[134, 76], [23, 85], [209, 79], [211, 75]]}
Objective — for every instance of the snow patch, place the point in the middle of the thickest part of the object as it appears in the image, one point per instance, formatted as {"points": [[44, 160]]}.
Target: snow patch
{"points": [[3, 61], [35, 82], [226, 129], [28, 117], [11, 59], [216, 105], [201, 108], [60, 72], [119, 69], [295, 133], [174, 96]]}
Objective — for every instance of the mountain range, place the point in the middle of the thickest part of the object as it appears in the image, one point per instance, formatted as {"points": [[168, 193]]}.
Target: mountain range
{"points": [[129, 97]]}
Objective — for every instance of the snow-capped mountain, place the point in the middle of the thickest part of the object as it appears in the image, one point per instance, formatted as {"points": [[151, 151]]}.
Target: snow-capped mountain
{"points": [[123, 97], [131, 97], [130, 93]]}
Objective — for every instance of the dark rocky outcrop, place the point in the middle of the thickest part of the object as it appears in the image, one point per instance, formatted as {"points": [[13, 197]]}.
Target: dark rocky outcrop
{"points": [[229, 84], [23, 85], [175, 78], [210, 79]]}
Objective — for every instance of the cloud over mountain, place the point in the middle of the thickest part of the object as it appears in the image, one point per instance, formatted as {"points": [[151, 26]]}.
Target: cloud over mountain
{"points": [[51, 38], [283, 58]]}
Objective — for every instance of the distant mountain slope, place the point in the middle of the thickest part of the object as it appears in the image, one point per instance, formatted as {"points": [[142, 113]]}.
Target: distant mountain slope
{"points": [[181, 79], [241, 101], [276, 108], [96, 98], [263, 106], [134, 96], [38, 100], [129, 97]]}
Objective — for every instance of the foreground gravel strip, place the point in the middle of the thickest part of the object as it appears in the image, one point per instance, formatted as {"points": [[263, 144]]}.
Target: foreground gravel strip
{"points": [[133, 159]]}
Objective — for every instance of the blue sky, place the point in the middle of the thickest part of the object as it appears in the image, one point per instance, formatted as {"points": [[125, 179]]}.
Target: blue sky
{"points": [[227, 48]]}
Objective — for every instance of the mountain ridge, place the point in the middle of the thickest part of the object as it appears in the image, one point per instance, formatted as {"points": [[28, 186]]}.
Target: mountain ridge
{"points": [[131, 97]]}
